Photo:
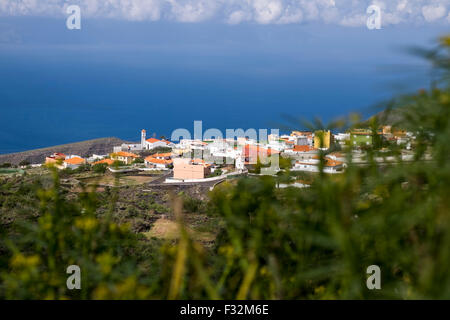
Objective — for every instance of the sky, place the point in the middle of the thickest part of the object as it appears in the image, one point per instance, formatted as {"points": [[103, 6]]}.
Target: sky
{"points": [[341, 12], [161, 64]]}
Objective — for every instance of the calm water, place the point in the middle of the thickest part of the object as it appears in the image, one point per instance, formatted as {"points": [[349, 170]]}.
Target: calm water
{"points": [[113, 79]]}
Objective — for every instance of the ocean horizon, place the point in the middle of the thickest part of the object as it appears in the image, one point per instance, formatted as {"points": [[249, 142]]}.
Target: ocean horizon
{"points": [[80, 86]]}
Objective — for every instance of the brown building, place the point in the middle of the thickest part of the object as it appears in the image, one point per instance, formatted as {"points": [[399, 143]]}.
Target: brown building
{"points": [[184, 168], [126, 157], [56, 158]]}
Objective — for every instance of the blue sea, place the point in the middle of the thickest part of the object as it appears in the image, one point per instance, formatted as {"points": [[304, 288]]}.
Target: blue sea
{"points": [[114, 78]]}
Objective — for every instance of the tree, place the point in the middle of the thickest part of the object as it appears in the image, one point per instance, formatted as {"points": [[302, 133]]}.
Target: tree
{"points": [[100, 167], [138, 160], [24, 163]]}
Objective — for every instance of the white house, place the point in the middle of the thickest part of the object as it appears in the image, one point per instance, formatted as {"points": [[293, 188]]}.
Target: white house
{"points": [[302, 152], [222, 148], [240, 163], [125, 157], [148, 144], [312, 165], [160, 161], [303, 141], [73, 162], [342, 138]]}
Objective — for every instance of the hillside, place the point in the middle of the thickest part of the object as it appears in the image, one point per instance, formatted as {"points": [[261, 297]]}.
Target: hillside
{"points": [[83, 148], [391, 117]]}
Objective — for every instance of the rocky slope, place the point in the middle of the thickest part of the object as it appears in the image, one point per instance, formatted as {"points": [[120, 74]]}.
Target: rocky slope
{"points": [[84, 148]]}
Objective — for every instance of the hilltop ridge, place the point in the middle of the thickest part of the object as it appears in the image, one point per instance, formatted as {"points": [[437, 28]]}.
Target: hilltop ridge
{"points": [[82, 148]]}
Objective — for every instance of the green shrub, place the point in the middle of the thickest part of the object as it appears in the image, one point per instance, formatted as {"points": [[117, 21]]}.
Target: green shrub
{"points": [[100, 167], [192, 205]]}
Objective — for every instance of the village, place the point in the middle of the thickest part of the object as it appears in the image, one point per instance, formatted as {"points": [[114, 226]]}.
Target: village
{"points": [[209, 160]]}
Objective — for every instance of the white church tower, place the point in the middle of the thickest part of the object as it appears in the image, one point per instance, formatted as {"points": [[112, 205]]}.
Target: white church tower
{"points": [[240, 163], [143, 135]]}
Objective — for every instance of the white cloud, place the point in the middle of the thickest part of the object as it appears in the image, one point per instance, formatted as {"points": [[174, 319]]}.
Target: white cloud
{"points": [[192, 10], [291, 15], [433, 12], [267, 11], [237, 17], [356, 20], [343, 12]]}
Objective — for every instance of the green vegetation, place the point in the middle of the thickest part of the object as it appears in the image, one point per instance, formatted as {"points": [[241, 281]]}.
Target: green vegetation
{"points": [[146, 153], [68, 171], [313, 243], [117, 163], [24, 163], [216, 173], [138, 160], [100, 167]]}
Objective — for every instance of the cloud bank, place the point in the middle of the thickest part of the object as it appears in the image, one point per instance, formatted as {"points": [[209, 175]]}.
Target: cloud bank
{"points": [[339, 12]]}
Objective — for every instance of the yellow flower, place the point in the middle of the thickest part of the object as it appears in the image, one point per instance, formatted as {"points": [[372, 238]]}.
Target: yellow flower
{"points": [[86, 224], [106, 262], [319, 290], [19, 260], [445, 41], [263, 271], [101, 292]]}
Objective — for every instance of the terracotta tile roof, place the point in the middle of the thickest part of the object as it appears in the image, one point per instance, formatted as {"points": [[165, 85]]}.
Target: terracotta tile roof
{"points": [[199, 162], [332, 163], [336, 154], [298, 148], [151, 159], [107, 161], [59, 154], [364, 132], [126, 154], [75, 160], [328, 163], [153, 140], [256, 150], [162, 155]]}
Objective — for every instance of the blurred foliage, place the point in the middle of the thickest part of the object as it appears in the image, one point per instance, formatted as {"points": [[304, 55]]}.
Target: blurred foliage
{"points": [[313, 243], [100, 167]]}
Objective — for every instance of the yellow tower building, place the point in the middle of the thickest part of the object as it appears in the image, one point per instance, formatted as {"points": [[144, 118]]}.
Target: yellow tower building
{"points": [[325, 136]]}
